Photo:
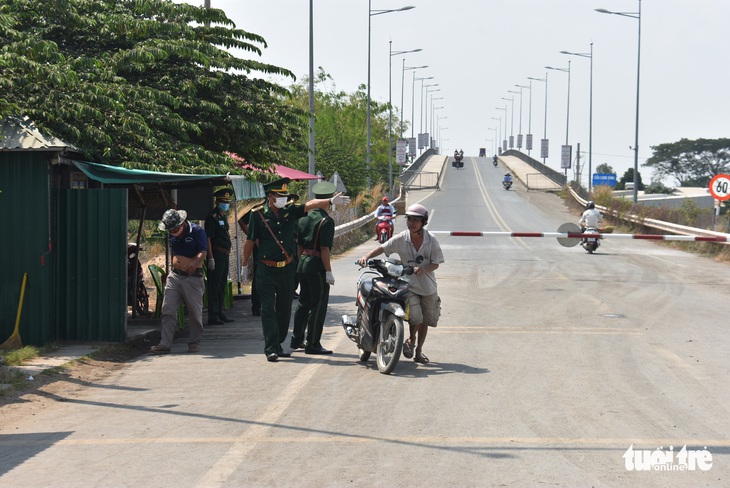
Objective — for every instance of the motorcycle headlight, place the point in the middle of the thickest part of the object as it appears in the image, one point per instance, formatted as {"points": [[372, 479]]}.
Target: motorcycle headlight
{"points": [[394, 270]]}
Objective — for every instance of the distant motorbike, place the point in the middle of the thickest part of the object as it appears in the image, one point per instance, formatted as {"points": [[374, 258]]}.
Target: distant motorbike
{"points": [[494, 162], [384, 228], [458, 161], [590, 244], [382, 298], [139, 299], [507, 184]]}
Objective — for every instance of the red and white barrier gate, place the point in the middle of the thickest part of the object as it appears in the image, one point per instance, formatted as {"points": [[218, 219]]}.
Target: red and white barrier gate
{"points": [[570, 235]]}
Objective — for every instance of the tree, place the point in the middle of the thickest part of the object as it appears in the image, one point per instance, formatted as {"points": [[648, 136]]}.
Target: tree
{"points": [[628, 177], [341, 132], [604, 169], [691, 162], [144, 83]]}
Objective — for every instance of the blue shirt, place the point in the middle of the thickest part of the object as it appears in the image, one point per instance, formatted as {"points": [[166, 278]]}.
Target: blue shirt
{"points": [[192, 241]]}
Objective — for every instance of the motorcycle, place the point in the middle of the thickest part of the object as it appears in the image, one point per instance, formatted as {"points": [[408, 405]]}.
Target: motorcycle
{"points": [[384, 228], [494, 162], [382, 298], [139, 299], [458, 161], [590, 244], [507, 184]]}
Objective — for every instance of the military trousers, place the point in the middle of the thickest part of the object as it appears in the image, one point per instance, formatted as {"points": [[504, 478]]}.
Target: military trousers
{"points": [[314, 294], [217, 282], [275, 288]]}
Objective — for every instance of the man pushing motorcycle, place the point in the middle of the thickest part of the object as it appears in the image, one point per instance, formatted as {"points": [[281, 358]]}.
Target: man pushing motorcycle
{"points": [[424, 303]]}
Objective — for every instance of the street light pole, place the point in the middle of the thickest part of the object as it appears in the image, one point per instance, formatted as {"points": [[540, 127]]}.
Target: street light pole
{"points": [[402, 85], [567, 121], [519, 130], [311, 95], [637, 16], [504, 141], [413, 101], [390, 108], [590, 114], [372, 13], [498, 130], [544, 126], [529, 117]]}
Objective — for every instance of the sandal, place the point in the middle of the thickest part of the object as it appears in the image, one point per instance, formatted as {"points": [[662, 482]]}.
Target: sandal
{"points": [[407, 349], [421, 358], [158, 349]]}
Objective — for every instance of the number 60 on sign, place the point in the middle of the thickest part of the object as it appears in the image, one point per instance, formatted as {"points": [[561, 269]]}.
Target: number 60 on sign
{"points": [[720, 186]]}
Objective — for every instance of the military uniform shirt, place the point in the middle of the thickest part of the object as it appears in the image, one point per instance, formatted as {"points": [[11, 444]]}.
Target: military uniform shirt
{"points": [[308, 227], [283, 227], [216, 228]]}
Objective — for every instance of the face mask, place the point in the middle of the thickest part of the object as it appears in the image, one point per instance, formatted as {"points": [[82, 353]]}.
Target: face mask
{"points": [[281, 202], [224, 206]]}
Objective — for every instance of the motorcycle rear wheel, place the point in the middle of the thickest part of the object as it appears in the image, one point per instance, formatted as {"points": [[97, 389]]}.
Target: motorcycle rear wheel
{"points": [[390, 345], [383, 237]]}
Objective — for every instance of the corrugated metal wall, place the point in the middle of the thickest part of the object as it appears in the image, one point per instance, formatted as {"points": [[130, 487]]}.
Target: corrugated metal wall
{"points": [[24, 213], [92, 271]]}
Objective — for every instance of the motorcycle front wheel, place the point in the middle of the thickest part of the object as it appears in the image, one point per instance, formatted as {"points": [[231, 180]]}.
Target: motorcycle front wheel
{"points": [[390, 345]]}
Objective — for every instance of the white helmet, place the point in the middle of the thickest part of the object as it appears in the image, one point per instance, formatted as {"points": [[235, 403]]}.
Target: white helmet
{"points": [[418, 210]]}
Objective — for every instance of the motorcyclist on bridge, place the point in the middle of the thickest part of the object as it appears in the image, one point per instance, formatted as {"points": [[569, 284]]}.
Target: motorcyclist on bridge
{"points": [[384, 211], [494, 159], [590, 218], [507, 178]]}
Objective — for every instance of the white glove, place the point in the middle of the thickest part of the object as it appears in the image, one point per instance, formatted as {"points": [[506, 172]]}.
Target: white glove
{"points": [[211, 264], [340, 199], [244, 273], [329, 278]]}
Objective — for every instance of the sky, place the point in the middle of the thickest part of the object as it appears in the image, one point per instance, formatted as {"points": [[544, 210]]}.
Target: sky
{"points": [[477, 51]]}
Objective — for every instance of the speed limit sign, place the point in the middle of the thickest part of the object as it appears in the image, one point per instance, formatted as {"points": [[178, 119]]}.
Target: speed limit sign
{"points": [[720, 186]]}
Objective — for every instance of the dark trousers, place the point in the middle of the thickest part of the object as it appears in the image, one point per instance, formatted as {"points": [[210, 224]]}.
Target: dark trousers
{"points": [[314, 294], [217, 282], [255, 300], [275, 287]]}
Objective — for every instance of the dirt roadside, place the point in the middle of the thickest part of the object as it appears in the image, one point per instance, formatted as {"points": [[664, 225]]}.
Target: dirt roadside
{"points": [[75, 375]]}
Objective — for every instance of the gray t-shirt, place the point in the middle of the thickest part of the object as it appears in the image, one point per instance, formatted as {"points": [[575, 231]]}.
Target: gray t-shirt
{"points": [[402, 245]]}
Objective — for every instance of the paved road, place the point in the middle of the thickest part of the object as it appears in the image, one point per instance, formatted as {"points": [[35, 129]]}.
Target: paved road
{"points": [[548, 364]]}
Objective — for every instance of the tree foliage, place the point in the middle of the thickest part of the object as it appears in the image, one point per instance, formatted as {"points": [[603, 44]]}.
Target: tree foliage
{"points": [[605, 168], [628, 177], [691, 162], [145, 84], [341, 132]]}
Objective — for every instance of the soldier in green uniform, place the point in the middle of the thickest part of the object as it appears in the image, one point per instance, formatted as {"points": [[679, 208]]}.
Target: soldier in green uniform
{"points": [[273, 226], [219, 248], [316, 235]]}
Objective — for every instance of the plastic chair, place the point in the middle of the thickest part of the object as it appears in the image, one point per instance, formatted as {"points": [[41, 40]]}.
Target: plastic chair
{"points": [[159, 276]]}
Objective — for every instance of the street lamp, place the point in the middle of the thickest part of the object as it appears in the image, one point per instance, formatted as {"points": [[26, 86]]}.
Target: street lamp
{"points": [[424, 107], [390, 105], [543, 154], [529, 118], [432, 134], [413, 101], [432, 131], [567, 122], [402, 90], [498, 133], [590, 114], [371, 14], [637, 16], [311, 93], [512, 123], [519, 131], [504, 139]]}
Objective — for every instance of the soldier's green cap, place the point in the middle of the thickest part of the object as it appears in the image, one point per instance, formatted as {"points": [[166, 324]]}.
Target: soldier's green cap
{"points": [[280, 187], [224, 195], [324, 189]]}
